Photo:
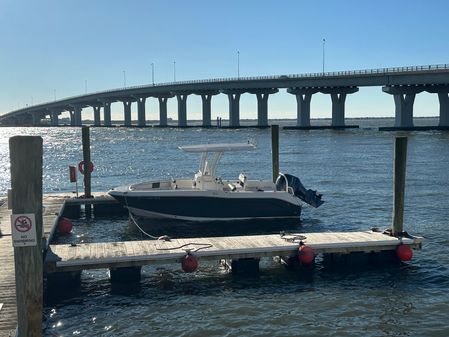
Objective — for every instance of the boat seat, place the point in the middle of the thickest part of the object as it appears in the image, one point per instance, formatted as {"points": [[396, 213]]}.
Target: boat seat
{"points": [[232, 187], [242, 179]]}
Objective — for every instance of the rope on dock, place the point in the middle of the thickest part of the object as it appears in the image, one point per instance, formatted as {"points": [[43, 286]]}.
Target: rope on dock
{"points": [[204, 246]]}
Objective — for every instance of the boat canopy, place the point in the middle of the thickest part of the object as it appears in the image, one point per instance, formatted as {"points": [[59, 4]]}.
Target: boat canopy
{"points": [[218, 147], [211, 154]]}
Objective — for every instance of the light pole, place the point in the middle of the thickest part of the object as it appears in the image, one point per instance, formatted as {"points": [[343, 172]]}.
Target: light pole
{"points": [[324, 42], [238, 64], [54, 94], [124, 79], [85, 86], [174, 71], [152, 72]]}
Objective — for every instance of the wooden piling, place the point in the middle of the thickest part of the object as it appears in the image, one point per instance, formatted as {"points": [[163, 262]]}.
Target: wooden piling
{"points": [[400, 159], [275, 150], [87, 168], [26, 195]]}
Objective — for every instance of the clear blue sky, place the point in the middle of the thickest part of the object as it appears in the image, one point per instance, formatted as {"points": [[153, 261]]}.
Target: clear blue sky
{"points": [[50, 45]]}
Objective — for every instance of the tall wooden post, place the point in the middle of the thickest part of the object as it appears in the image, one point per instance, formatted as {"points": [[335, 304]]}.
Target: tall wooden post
{"points": [[400, 163], [87, 168], [26, 198], [275, 150]]}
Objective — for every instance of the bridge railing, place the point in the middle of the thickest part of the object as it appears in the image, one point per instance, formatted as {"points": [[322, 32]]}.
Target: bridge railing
{"points": [[349, 73]]}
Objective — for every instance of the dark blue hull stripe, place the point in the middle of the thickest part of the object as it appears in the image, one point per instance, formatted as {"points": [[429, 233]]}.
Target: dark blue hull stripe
{"points": [[219, 208]]}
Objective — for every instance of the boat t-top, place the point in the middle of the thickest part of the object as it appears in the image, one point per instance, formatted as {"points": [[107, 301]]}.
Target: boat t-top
{"points": [[207, 197]]}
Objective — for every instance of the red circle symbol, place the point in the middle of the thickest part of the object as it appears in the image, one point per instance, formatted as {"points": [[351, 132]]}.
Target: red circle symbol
{"points": [[23, 224]]}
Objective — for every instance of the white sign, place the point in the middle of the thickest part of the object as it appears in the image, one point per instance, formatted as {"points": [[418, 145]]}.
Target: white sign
{"points": [[23, 229]]}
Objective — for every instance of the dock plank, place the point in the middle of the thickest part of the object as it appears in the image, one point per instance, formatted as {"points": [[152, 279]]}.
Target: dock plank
{"points": [[8, 311]]}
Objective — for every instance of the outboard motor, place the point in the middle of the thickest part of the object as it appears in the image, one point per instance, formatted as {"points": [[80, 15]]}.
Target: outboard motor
{"points": [[311, 197]]}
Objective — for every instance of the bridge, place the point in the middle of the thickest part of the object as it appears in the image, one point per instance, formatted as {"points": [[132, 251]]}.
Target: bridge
{"points": [[403, 83]]}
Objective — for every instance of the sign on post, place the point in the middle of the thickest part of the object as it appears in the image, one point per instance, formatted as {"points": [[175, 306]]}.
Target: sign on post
{"points": [[23, 230]]}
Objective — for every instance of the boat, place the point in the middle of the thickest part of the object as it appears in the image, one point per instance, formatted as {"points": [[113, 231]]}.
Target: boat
{"points": [[207, 197]]}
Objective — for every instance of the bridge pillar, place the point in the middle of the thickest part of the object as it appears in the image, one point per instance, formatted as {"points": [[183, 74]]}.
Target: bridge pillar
{"points": [[303, 98], [182, 109], [36, 119], [262, 104], [107, 113], [54, 115], [338, 97], [75, 115], [141, 118], [234, 106], [127, 112], [404, 97], [207, 109], [163, 108], [443, 97], [206, 97], [97, 119]]}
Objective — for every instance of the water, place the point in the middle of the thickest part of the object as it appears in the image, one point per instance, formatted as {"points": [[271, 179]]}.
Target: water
{"points": [[353, 170]]}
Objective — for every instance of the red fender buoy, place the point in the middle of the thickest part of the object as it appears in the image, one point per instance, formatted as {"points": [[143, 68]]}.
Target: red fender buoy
{"points": [[81, 167], [65, 226], [404, 252], [306, 255], [189, 263]]}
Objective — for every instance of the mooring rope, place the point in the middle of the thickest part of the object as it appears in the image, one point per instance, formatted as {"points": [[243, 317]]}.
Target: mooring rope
{"points": [[166, 237], [163, 237]]}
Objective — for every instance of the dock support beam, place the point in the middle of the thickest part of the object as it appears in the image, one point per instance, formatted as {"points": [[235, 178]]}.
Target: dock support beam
{"points": [[242, 266], [97, 119], [87, 171], [303, 98], [127, 112], [404, 97], [275, 151], [338, 97], [26, 198], [182, 108], [125, 274], [400, 163], [234, 106]]}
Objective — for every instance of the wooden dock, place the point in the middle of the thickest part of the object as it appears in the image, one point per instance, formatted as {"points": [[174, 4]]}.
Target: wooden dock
{"points": [[137, 253], [53, 206], [117, 255]]}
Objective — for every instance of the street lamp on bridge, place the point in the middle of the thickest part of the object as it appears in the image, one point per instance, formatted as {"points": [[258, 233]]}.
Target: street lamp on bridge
{"points": [[238, 64], [324, 42], [174, 71], [124, 79], [152, 73]]}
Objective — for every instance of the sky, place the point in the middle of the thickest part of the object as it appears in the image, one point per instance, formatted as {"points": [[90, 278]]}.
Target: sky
{"points": [[60, 48]]}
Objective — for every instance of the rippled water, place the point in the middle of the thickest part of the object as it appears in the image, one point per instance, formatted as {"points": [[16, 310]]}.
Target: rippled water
{"points": [[352, 168]]}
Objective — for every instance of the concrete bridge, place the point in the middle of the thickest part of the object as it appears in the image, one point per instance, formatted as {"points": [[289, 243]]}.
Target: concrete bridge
{"points": [[402, 83]]}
